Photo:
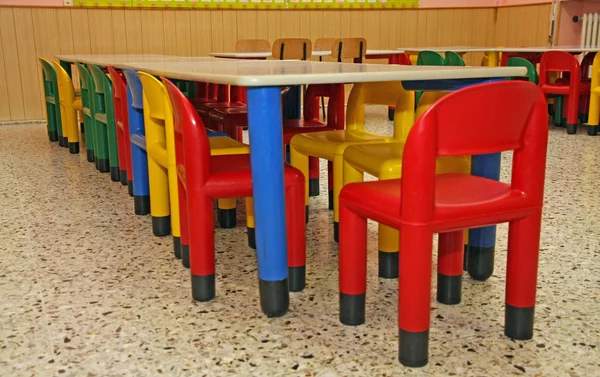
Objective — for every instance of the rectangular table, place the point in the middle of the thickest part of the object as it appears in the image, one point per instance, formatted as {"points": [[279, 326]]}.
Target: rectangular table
{"points": [[263, 79], [369, 54]]}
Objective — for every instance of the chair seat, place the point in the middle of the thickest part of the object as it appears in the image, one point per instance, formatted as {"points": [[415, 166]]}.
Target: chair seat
{"points": [[232, 115], [201, 101], [204, 109], [101, 117], [327, 144], [584, 88], [385, 160], [230, 176], [223, 145], [139, 140], [77, 104], [461, 200], [293, 127]]}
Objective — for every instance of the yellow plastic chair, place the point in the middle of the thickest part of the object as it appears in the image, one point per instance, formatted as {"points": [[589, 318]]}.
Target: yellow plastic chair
{"points": [[70, 105], [330, 145], [162, 164], [384, 161]]}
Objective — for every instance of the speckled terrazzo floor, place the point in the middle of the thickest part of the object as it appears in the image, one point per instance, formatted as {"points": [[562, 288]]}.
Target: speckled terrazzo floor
{"points": [[86, 290]]}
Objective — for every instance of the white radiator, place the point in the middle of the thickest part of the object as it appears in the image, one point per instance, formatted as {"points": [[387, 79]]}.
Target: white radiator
{"points": [[589, 30]]}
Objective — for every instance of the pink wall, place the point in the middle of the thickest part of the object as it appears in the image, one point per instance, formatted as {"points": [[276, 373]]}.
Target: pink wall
{"points": [[569, 31], [32, 2]]}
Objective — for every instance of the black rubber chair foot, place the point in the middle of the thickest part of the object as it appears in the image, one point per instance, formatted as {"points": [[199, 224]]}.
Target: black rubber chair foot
{"points": [[115, 175], [306, 214], [103, 165], [388, 264], [185, 256], [466, 258], [330, 199], [96, 162], [571, 129], [518, 322], [274, 297], [480, 262], [177, 247], [82, 127], [227, 218], [252, 238], [336, 231], [592, 130], [141, 204], [203, 287], [161, 226], [391, 114], [74, 148], [63, 141], [297, 278], [123, 176], [352, 309], [413, 348], [53, 135], [130, 188], [313, 187], [449, 289], [90, 155]]}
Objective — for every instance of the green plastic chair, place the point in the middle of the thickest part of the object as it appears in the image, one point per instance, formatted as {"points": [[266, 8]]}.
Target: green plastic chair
{"points": [[532, 75], [427, 58], [453, 59], [52, 102], [87, 88], [105, 123]]}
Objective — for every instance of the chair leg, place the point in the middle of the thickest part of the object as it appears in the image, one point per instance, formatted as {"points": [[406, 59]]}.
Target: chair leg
{"points": [[113, 151], [296, 233], [141, 191], [300, 162], [70, 115], [573, 113], [202, 247], [122, 154], [353, 266], [314, 173], [594, 114], [102, 147], [51, 122], [338, 183], [184, 242], [521, 275], [450, 267], [414, 295], [174, 209], [226, 213], [250, 223], [159, 198], [330, 184], [388, 252], [89, 138]]}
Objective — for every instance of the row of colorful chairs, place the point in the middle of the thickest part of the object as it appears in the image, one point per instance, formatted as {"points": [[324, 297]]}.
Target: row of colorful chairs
{"points": [[184, 162]]}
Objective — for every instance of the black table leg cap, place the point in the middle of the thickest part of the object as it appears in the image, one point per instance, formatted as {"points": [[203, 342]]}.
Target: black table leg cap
{"points": [[274, 297]]}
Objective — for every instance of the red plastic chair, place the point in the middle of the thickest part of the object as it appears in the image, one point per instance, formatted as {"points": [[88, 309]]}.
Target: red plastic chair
{"points": [[203, 178], [122, 122], [560, 61], [234, 120], [423, 203], [227, 97]]}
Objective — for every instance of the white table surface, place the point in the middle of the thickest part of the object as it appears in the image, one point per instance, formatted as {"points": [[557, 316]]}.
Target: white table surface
{"points": [[122, 60], [448, 48], [253, 73], [532, 49], [266, 54]]}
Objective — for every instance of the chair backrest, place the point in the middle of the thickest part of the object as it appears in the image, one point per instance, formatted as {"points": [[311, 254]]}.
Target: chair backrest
{"points": [[324, 44], [596, 70], [532, 75], [119, 94], [104, 101], [252, 45], [191, 140], [86, 84], [586, 63], [349, 48], [559, 61], [429, 58], [292, 49], [158, 114], [517, 113], [380, 93], [335, 105], [134, 85], [66, 90], [49, 77], [453, 59]]}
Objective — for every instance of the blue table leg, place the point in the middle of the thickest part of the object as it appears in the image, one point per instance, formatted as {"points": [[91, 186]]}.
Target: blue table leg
{"points": [[266, 159], [479, 259]]}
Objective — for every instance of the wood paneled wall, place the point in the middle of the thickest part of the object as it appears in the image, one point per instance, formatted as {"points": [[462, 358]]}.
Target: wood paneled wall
{"points": [[26, 33]]}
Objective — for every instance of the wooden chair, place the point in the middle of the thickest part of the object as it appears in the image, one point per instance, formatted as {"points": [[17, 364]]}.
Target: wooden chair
{"points": [[292, 49], [252, 45], [349, 48]]}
